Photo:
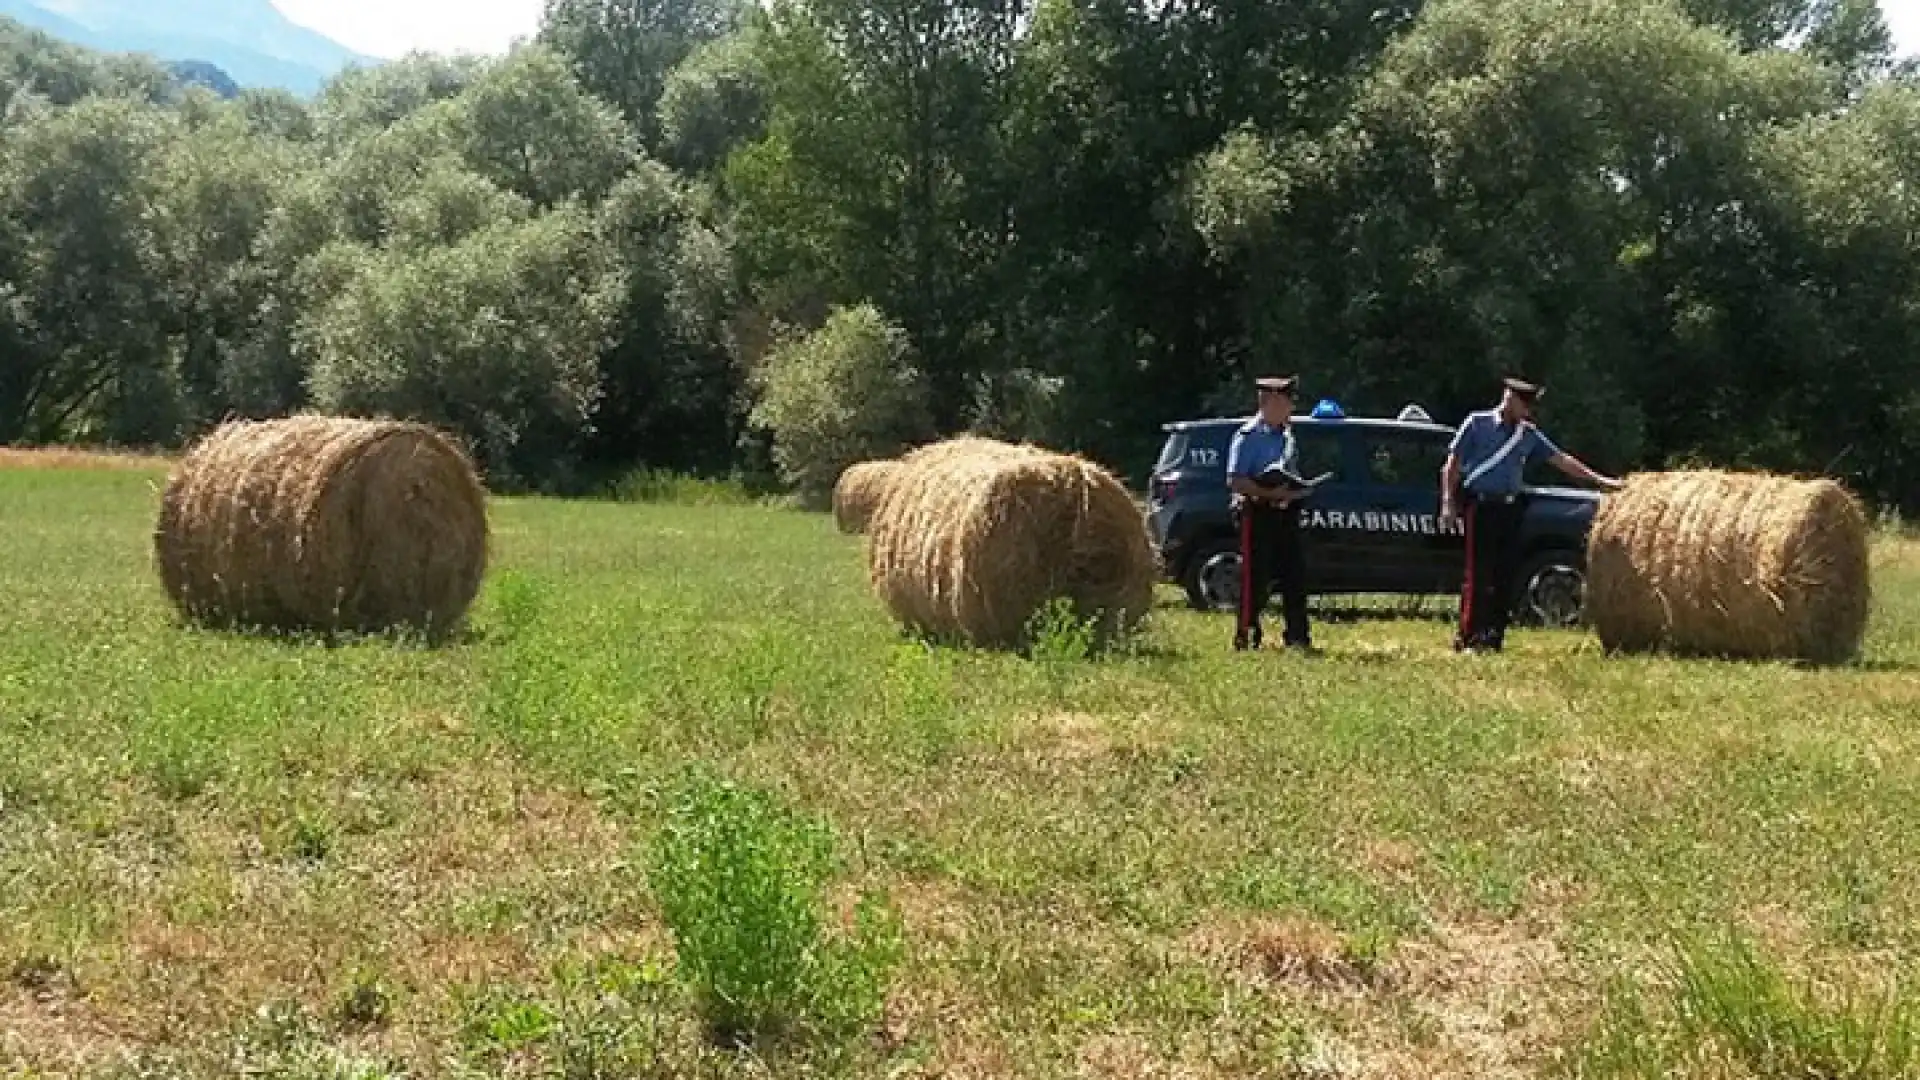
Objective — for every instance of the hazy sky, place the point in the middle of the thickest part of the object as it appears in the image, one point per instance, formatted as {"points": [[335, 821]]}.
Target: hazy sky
{"points": [[388, 28]]}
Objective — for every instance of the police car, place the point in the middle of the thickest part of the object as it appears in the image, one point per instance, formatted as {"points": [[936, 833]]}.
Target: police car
{"points": [[1372, 527]]}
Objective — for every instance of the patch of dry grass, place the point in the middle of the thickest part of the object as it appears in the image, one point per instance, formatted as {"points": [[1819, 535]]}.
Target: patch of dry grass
{"points": [[60, 457], [1462, 1000]]}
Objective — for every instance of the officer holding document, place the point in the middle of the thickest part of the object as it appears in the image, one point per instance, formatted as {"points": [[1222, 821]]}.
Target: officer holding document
{"points": [[1484, 468], [1262, 464]]}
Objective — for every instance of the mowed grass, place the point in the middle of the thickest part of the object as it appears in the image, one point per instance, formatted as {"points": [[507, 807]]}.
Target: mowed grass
{"points": [[223, 856]]}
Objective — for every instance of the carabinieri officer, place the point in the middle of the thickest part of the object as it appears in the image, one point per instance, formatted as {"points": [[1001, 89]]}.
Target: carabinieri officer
{"points": [[1484, 465], [1269, 517]]}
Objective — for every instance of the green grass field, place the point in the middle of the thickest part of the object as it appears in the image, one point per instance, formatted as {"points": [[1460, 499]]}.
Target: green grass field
{"points": [[225, 856]]}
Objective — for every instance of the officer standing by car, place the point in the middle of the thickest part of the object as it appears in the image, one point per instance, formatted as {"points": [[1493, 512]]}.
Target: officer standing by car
{"points": [[1268, 518], [1484, 471]]}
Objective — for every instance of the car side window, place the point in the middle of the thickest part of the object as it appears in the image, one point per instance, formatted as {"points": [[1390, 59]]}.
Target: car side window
{"points": [[1405, 460], [1319, 452]]}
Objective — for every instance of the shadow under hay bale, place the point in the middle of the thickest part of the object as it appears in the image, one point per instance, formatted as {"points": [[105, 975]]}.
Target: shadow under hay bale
{"points": [[976, 536], [323, 524], [858, 492], [1711, 563]]}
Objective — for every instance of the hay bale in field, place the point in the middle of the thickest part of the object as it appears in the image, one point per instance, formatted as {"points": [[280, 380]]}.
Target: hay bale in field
{"points": [[977, 536], [1716, 563], [323, 524], [858, 491]]}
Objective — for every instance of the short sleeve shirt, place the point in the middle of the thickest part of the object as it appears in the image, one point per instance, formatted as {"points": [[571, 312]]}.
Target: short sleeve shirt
{"points": [[1487, 465], [1258, 446]]}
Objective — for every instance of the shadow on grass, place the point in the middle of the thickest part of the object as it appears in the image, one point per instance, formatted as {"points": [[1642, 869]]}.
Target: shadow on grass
{"points": [[1862, 665], [291, 637]]}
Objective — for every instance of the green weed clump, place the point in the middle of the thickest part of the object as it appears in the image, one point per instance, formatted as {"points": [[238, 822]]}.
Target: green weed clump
{"points": [[661, 487], [1058, 635], [1735, 1013], [599, 1020], [742, 883]]}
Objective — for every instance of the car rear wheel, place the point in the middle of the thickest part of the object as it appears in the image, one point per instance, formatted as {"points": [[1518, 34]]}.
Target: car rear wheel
{"points": [[1551, 591], [1213, 577]]}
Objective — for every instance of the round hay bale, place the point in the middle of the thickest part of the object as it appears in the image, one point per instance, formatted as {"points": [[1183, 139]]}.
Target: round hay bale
{"points": [[976, 536], [316, 523], [1728, 564], [858, 492]]}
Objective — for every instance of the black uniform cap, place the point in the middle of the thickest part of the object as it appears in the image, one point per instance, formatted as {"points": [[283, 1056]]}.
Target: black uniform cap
{"points": [[1523, 388], [1278, 385]]}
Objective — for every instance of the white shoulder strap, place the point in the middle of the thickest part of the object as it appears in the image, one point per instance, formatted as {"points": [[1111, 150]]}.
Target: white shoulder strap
{"points": [[1500, 455]]}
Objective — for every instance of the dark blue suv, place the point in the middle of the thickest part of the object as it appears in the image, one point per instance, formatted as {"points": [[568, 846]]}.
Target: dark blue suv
{"points": [[1373, 527]]}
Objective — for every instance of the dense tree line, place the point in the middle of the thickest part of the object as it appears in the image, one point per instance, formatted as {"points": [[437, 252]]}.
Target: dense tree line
{"points": [[762, 238]]}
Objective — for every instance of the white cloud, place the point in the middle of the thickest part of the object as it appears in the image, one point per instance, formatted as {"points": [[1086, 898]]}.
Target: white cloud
{"points": [[390, 28], [1903, 18]]}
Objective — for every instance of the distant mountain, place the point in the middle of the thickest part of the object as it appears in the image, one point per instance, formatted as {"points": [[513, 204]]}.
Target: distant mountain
{"points": [[249, 40], [201, 73]]}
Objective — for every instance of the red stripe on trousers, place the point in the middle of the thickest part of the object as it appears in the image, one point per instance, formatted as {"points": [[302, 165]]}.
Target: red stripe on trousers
{"points": [[1466, 604], [1246, 570]]}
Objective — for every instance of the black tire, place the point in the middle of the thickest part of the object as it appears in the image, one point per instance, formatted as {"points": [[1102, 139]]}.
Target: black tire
{"points": [[1212, 576], [1550, 590]]}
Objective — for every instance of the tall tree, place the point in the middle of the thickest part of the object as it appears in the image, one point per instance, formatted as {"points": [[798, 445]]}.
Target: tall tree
{"points": [[83, 307], [1505, 194], [495, 336], [529, 126], [217, 186], [1107, 285], [881, 175], [624, 50]]}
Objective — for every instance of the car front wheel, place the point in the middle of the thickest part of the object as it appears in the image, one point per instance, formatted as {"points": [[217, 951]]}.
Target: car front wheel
{"points": [[1551, 591], [1213, 577]]}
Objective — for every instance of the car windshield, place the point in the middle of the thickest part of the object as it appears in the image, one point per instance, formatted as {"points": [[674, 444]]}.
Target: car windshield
{"points": [[1173, 451]]}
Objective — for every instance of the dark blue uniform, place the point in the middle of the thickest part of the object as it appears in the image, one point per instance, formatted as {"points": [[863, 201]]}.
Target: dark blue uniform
{"points": [[1493, 458], [1269, 537]]}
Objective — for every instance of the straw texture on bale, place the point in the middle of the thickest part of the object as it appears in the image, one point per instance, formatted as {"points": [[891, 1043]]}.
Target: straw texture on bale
{"points": [[1745, 565], [976, 536], [316, 523], [858, 491]]}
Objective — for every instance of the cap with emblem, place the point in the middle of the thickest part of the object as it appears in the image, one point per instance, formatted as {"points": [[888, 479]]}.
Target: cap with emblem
{"points": [[1523, 388], [1277, 385]]}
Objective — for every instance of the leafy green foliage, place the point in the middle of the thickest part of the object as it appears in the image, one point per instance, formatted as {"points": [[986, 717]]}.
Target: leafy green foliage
{"points": [[678, 489], [1088, 218], [598, 1021], [713, 102], [625, 51], [741, 881], [1060, 635], [495, 336], [531, 129], [77, 194], [845, 393], [364, 101], [673, 394], [1238, 192]]}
